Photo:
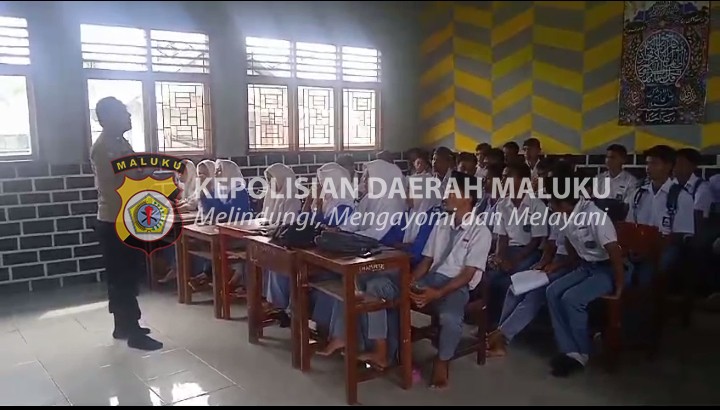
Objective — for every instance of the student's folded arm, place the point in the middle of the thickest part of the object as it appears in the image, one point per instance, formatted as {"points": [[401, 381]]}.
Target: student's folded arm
{"points": [[502, 245], [684, 222], [465, 276], [528, 249], [422, 268], [618, 265], [573, 258], [548, 252]]}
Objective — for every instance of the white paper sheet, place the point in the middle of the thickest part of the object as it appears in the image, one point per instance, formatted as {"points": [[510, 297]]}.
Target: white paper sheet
{"points": [[524, 282]]}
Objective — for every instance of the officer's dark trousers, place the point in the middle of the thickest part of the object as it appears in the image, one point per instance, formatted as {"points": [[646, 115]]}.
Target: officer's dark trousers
{"points": [[124, 270]]}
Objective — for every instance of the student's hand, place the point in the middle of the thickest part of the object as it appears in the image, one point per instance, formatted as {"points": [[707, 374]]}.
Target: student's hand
{"points": [[540, 266], [494, 261], [330, 228], [507, 265], [550, 268], [425, 297]]}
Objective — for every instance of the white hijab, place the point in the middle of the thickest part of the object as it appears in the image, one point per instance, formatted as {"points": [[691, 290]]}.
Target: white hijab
{"points": [[277, 204], [212, 168], [395, 204], [230, 172], [335, 174], [190, 187]]}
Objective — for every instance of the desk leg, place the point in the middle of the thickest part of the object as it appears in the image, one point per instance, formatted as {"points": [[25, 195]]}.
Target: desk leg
{"points": [[351, 345], [218, 252], [181, 262], [295, 328], [300, 315], [255, 313], [405, 328]]}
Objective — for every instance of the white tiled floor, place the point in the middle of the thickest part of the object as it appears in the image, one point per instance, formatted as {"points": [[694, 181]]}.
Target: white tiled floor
{"points": [[56, 349]]}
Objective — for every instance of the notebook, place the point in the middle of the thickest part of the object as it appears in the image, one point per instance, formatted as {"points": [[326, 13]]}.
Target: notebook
{"points": [[524, 282]]}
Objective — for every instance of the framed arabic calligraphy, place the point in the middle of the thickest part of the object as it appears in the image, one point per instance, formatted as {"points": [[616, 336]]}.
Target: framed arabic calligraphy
{"points": [[664, 62]]}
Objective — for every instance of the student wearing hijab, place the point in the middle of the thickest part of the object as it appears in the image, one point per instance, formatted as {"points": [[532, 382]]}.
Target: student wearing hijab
{"points": [[283, 202], [382, 284], [229, 198]]}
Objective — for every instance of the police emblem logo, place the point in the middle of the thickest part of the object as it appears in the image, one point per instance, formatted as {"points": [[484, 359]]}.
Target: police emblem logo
{"points": [[147, 217]]}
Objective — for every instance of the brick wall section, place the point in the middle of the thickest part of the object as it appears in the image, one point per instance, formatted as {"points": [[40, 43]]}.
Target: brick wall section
{"points": [[47, 214]]}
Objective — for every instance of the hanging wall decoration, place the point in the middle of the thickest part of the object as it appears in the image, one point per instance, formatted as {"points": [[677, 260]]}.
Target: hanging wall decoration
{"points": [[664, 62]]}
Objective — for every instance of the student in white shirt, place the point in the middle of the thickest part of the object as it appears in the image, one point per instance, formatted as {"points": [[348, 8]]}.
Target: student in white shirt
{"points": [[622, 183], [480, 152], [511, 150], [520, 234], [443, 164], [489, 199], [650, 207], [494, 156], [686, 164], [454, 261], [591, 238], [532, 151], [467, 163]]}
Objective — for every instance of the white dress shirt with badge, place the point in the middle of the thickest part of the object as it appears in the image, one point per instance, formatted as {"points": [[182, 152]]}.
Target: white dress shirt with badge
{"points": [[589, 233], [622, 187], [703, 198], [470, 247], [557, 234], [652, 210], [519, 226]]}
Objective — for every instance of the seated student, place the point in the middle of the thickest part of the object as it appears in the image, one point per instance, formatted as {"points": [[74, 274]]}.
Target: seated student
{"points": [[511, 150], [519, 311], [663, 204], [542, 168], [411, 156], [421, 199], [454, 261], [347, 162], [443, 164], [622, 184], [532, 151], [494, 156], [186, 202], [686, 164], [467, 163], [480, 152], [490, 199], [591, 239], [519, 240], [421, 165], [282, 204]]}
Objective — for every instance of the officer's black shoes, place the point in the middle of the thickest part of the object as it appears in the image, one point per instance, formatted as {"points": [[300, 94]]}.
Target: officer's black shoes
{"points": [[143, 342]]}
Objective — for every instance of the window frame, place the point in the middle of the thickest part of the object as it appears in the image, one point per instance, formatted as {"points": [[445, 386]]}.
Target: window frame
{"points": [[293, 84], [26, 71], [149, 78]]}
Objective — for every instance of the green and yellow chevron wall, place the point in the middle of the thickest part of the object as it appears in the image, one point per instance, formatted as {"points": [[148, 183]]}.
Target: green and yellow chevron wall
{"points": [[498, 71]]}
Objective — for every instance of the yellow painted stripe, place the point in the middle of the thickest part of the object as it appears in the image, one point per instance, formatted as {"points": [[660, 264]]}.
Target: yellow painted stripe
{"points": [[438, 103], [552, 146], [598, 15], [603, 53], [464, 143], [711, 134], [560, 77], [441, 69], [645, 140], [473, 15], [602, 134], [478, 85], [511, 27], [474, 117], [713, 89], [512, 62], [472, 49], [437, 39], [601, 95], [557, 113], [714, 42], [558, 38], [512, 96], [566, 5], [511, 130], [440, 131]]}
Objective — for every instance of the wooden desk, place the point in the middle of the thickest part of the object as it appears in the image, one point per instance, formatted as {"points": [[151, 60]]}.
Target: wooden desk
{"points": [[350, 268], [228, 232], [262, 254], [184, 219]]}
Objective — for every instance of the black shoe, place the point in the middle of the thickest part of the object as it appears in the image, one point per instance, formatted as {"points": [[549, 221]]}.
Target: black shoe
{"points": [[283, 319], [123, 334], [566, 366], [144, 342], [557, 359]]}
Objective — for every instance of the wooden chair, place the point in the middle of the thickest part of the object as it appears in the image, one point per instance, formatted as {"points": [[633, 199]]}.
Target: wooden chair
{"points": [[638, 242], [475, 315]]}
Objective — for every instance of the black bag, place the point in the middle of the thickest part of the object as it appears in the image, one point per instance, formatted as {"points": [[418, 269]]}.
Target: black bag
{"points": [[346, 243], [617, 210], [296, 236]]}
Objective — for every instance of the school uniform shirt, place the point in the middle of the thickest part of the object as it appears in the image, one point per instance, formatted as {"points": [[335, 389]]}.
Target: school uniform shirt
{"points": [[557, 234], [465, 245], [622, 187], [517, 226], [481, 172], [533, 168], [703, 197], [652, 210], [589, 234]]}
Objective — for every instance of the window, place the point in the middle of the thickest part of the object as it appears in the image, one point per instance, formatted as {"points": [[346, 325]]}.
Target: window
{"points": [[167, 70], [15, 121], [310, 96]]}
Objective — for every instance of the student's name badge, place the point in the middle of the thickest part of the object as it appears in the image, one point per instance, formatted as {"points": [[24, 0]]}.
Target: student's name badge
{"points": [[666, 222]]}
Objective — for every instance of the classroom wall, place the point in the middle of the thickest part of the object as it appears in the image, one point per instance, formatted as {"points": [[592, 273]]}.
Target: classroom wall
{"points": [[496, 71], [47, 206]]}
